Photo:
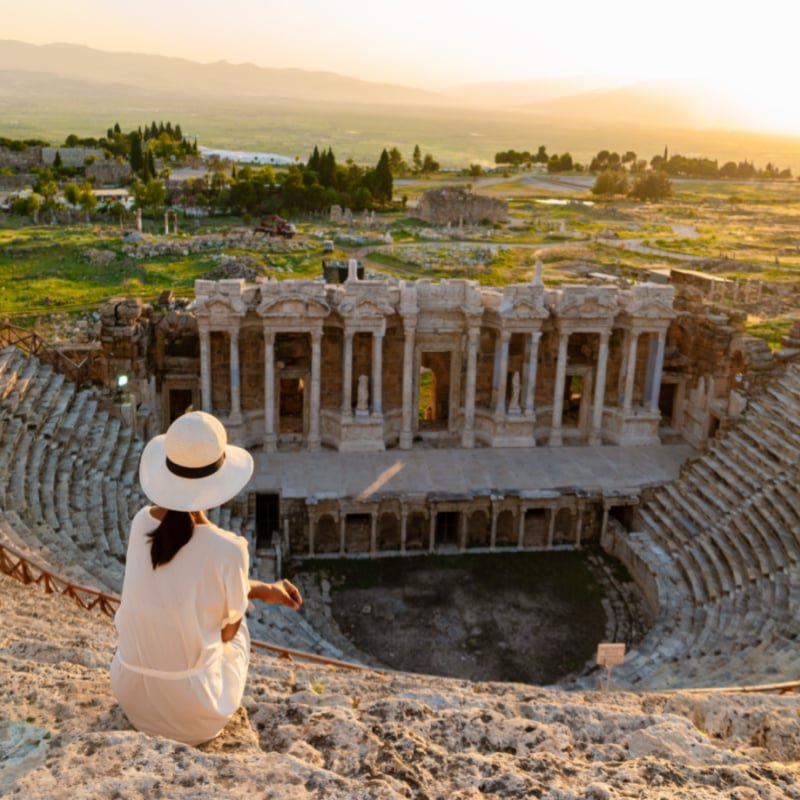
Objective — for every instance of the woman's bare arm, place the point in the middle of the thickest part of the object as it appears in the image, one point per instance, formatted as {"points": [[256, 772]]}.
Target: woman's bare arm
{"points": [[283, 592]]}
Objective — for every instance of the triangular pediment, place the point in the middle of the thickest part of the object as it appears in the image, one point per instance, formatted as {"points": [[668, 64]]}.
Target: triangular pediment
{"points": [[364, 307], [218, 305], [293, 306]]}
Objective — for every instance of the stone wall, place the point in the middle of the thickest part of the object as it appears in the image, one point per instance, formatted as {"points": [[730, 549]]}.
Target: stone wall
{"points": [[21, 159], [456, 206], [70, 156], [106, 172]]}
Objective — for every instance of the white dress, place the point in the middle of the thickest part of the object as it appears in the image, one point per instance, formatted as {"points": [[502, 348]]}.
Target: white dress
{"points": [[172, 674]]}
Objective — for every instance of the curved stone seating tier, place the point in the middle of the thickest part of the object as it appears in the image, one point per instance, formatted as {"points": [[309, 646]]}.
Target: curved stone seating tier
{"points": [[730, 526], [69, 488], [67, 470]]}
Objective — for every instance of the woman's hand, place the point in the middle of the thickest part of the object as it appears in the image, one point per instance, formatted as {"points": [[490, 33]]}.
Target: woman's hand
{"points": [[284, 593]]}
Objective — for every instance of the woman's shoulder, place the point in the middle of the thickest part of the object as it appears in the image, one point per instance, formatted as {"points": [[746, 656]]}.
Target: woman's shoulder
{"points": [[145, 520], [225, 540]]}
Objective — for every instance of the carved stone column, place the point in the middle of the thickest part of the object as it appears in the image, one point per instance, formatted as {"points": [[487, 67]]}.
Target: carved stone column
{"points": [[521, 528], [373, 533], [551, 526], [342, 531], [270, 437], [406, 431], [502, 378], [312, 528], [596, 435], [205, 369], [533, 361], [658, 368], [236, 397], [432, 532], [558, 393], [347, 373], [493, 531], [462, 531], [377, 373], [314, 410], [468, 436], [630, 371], [403, 528], [579, 524]]}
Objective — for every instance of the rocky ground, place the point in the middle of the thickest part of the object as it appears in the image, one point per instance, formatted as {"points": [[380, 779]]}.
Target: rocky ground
{"points": [[314, 732]]}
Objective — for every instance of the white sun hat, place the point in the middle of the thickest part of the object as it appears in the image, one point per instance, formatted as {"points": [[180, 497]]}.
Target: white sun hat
{"points": [[192, 467]]}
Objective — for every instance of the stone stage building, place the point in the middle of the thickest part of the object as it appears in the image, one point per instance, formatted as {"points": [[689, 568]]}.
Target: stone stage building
{"points": [[370, 366], [366, 365]]}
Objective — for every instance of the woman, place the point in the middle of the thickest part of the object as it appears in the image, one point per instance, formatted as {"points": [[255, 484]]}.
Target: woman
{"points": [[181, 663]]}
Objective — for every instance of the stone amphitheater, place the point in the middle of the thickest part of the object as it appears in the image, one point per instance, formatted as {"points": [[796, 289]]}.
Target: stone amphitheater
{"points": [[714, 554]]}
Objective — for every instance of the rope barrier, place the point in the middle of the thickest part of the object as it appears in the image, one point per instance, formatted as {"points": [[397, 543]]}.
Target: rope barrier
{"points": [[33, 344]]}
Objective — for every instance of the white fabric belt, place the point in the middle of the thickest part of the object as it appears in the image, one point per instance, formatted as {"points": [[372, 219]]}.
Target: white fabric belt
{"points": [[169, 675]]}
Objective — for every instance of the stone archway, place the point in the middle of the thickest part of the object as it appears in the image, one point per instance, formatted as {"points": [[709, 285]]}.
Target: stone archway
{"points": [[327, 538], [478, 529], [388, 532], [416, 531], [505, 535]]}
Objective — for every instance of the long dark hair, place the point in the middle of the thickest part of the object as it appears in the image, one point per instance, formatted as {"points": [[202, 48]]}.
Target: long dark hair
{"points": [[173, 533]]}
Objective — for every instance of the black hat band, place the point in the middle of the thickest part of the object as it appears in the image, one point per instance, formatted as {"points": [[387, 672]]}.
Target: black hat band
{"points": [[195, 472]]}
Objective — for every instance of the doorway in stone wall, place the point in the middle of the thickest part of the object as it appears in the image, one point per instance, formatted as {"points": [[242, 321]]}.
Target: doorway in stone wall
{"points": [[434, 391], [291, 408], [447, 529], [577, 402], [267, 519], [180, 401]]}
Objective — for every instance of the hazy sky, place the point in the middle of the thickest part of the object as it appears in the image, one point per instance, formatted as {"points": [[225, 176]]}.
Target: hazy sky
{"points": [[747, 51]]}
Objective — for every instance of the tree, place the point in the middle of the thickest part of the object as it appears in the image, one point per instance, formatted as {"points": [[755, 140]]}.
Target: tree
{"points": [[475, 170], [610, 182], [382, 184], [654, 185], [136, 154], [72, 193], [327, 168], [151, 164], [27, 206], [429, 164], [149, 195], [541, 156], [629, 158], [87, 199], [417, 158], [57, 163], [314, 160], [396, 162]]}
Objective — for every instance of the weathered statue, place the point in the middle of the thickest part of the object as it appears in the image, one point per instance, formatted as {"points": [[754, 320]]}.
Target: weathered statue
{"points": [[362, 396], [513, 406]]}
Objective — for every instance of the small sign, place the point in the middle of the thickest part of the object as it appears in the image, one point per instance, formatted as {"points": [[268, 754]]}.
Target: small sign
{"points": [[610, 655]]}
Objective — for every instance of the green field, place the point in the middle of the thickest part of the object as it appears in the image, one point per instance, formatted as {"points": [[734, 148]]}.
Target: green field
{"points": [[743, 230]]}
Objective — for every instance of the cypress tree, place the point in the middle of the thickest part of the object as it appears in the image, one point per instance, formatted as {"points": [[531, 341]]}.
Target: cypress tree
{"points": [[137, 156], [314, 161], [383, 182]]}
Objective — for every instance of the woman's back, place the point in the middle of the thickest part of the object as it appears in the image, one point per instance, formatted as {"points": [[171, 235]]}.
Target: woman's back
{"points": [[171, 655]]}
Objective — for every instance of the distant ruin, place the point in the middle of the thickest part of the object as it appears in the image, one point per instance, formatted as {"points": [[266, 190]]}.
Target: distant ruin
{"points": [[457, 206]]}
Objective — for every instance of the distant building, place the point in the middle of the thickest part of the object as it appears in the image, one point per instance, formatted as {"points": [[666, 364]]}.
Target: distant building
{"points": [[458, 206]]}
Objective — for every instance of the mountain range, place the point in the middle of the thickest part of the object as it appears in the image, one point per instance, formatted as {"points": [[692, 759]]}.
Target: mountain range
{"points": [[61, 72]]}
